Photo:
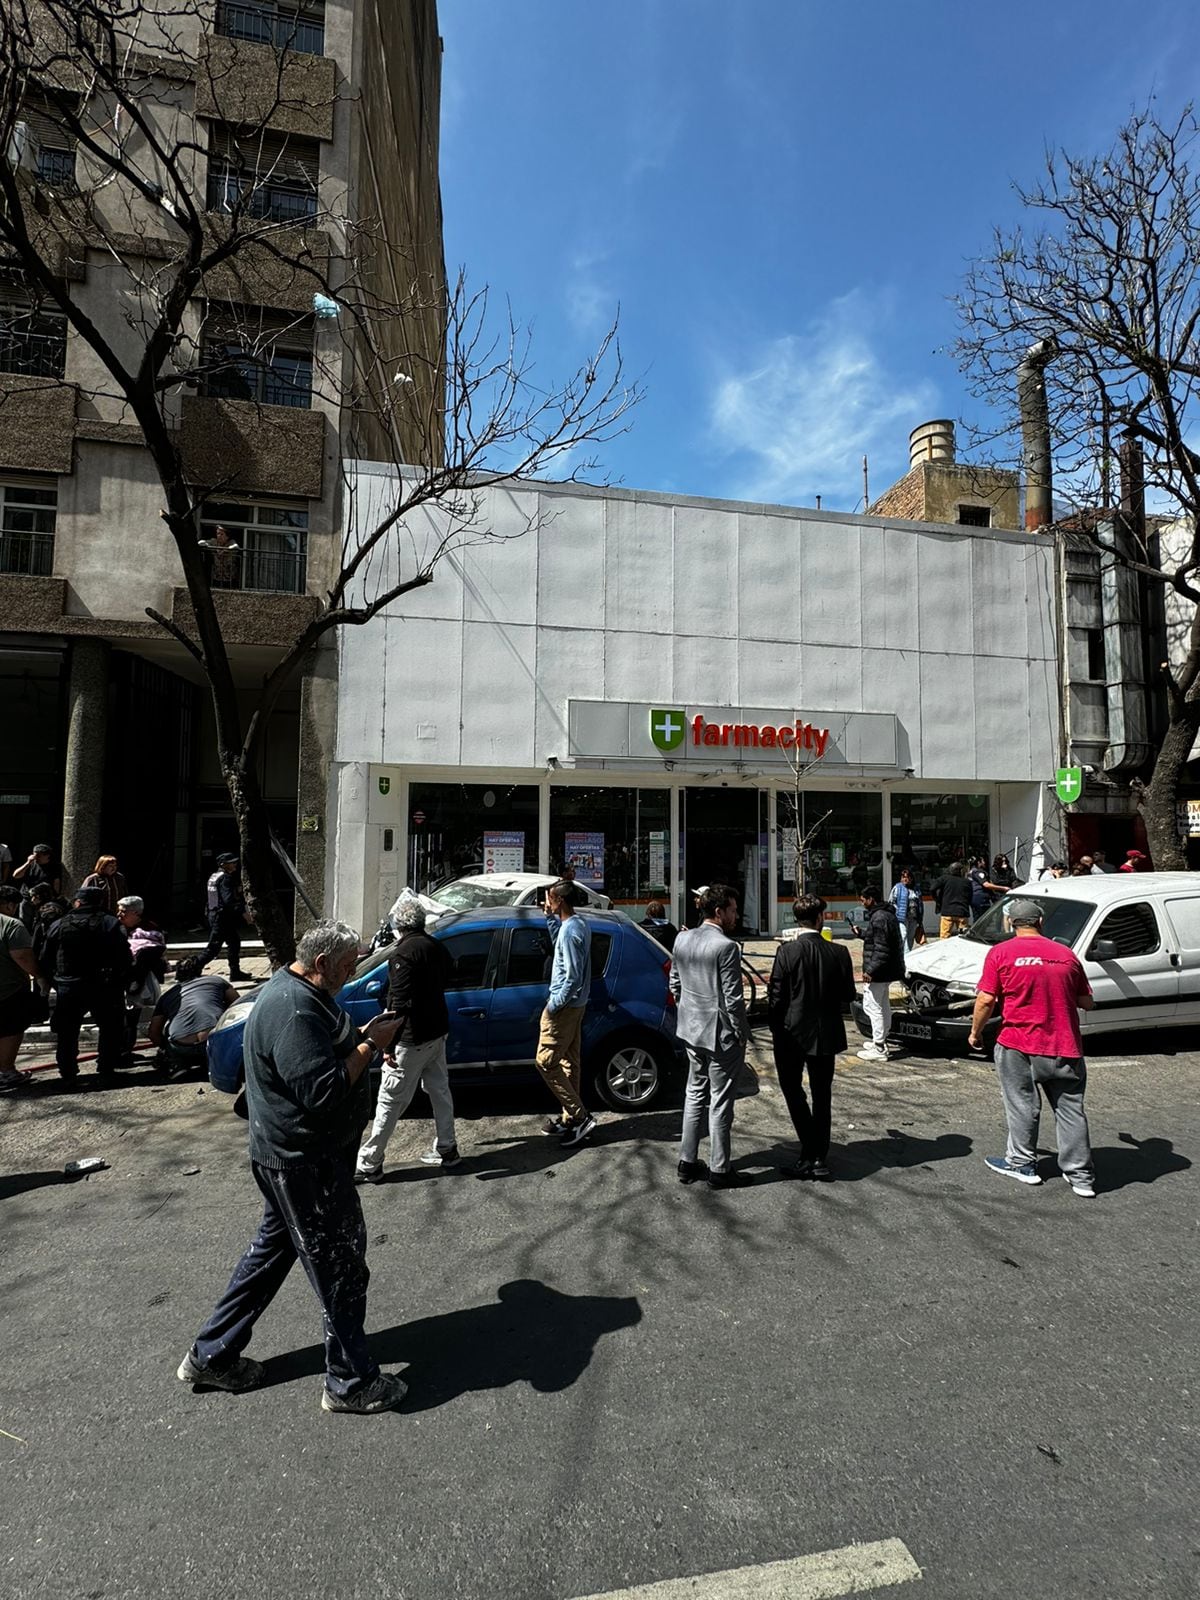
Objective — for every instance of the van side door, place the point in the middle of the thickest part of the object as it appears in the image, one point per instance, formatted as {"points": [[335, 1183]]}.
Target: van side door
{"points": [[1183, 913], [1137, 984]]}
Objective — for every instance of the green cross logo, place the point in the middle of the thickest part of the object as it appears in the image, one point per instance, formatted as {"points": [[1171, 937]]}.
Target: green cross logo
{"points": [[384, 785], [666, 728], [1068, 784]]}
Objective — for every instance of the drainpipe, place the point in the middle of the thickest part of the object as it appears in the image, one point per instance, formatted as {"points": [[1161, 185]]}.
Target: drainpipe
{"points": [[1129, 747], [1035, 431]]}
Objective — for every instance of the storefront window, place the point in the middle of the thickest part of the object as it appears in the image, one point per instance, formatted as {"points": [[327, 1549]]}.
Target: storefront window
{"points": [[840, 837], [931, 830], [618, 840], [459, 829]]}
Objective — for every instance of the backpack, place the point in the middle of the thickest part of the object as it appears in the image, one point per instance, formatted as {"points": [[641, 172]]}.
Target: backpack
{"points": [[213, 901]]}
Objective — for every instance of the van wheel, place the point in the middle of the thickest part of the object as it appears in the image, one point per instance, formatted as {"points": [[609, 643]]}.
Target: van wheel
{"points": [[629, 1074]]}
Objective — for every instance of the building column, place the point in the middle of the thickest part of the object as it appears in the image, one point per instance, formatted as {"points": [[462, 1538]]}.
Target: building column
{"points": [[83, 768], [318, 729]]}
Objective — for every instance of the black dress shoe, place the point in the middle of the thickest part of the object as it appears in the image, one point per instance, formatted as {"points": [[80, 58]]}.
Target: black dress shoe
{"points": [[820, 1171], [690, 1171], [797, 1169], [729, 1180]]}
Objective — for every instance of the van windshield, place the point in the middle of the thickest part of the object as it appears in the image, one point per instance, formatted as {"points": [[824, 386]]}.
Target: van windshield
{"points": [[1065, 920]]}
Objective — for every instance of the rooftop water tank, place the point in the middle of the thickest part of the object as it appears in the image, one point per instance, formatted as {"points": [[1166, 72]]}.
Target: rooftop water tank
{"points": [[932, 441]]}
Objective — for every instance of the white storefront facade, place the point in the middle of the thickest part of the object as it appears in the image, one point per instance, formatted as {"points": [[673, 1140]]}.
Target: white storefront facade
{"points": [[651, 687]]}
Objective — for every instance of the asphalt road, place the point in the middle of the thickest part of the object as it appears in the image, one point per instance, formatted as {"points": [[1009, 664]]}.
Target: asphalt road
{"points": [[616, 1380]]}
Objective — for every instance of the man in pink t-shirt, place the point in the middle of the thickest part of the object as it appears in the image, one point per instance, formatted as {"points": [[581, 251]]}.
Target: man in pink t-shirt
{"points": [[1041, 988]]}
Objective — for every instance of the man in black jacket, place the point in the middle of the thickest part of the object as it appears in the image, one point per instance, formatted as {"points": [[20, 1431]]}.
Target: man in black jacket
{"points": [[420, 971], [86, 957], [812, 983], [952, 897], [882, 964], [226, 911]]}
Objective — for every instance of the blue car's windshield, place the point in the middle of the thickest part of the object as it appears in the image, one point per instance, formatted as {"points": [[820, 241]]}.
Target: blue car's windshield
{"points": [[1065, 920]]}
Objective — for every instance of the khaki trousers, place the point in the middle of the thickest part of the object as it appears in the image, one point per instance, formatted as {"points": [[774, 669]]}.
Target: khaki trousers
{"points": [[949, 925], [559, 1057]]}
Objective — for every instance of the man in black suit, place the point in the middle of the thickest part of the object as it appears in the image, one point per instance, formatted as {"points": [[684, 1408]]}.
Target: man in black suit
{"points": [[812, 983]]}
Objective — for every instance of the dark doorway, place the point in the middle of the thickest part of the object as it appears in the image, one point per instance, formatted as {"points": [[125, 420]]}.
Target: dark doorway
{"points": [[724, 843]]}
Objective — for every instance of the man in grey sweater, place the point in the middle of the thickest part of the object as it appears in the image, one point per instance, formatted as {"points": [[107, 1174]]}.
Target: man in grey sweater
{"points": [[307, 1094]]}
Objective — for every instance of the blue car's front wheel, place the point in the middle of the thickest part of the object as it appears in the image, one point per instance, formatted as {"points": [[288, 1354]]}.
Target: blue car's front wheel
{"points": [[629, 1074]]}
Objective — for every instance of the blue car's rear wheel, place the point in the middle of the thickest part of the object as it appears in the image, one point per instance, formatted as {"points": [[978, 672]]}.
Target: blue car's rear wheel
{"points": [[629, 1074]]}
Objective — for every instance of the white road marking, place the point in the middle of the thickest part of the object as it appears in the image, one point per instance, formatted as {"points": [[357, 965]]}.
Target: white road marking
{"points": [[854, 1569]]}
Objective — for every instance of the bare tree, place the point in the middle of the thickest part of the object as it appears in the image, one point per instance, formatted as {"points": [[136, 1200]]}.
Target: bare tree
{"points": [[1108, 272], [256, 284]]}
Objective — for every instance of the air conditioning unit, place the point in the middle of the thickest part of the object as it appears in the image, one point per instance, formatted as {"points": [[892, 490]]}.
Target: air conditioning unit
{"points": [[24, 148]]}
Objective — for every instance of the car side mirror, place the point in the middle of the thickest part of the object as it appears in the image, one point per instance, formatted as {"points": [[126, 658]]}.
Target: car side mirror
{"points": [[1103, 950]]}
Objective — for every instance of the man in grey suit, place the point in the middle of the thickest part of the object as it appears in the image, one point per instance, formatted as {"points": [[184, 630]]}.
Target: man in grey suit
{"points": [[812, 984], [706, 981]]}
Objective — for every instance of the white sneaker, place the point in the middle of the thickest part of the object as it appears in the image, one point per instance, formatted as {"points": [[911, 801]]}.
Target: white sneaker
{"points": [[872, 1052], [1083, 1187]]}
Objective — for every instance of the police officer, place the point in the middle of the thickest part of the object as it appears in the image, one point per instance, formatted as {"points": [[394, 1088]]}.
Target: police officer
{"points": [[226, 914], [87, 960]]}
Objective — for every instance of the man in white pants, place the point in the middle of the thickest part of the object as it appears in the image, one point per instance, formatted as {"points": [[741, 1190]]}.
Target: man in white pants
{"points": [[883, 964], [420, 970]]}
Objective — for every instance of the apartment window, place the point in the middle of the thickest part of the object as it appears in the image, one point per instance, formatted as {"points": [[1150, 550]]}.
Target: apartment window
{"points": [[975, 516], [27, 515], [33, 334], [1095, 655], [46, 146], [259, 356], [268, 176], [286, 27], [272, 545]]}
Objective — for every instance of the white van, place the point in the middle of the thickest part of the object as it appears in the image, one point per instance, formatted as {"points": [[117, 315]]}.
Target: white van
{"points": [[1137, 934]]}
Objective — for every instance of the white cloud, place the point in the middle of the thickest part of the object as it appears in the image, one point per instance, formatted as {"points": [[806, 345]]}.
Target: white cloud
{"points": [[591, 304], [796, 421]]}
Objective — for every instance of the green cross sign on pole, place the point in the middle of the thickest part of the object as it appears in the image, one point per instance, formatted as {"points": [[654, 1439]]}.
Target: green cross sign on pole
{"points": [[1068, 784]]}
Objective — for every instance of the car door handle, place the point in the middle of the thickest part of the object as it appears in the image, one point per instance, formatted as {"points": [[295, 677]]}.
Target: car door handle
{"points": [[471, 1011], [1175, 958]]}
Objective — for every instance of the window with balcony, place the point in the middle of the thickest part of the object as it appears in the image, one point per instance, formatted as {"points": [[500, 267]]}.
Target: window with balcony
{"points": [[259, 356], [42, 144], [28, 510], [33, 334], [285, 27], [270, 177], [272, 546]]}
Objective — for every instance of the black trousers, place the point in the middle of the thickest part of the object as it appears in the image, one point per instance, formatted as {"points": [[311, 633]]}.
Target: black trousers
{"points": [[812, 1126], [225, 928], [74, 998], [311, 1213]]}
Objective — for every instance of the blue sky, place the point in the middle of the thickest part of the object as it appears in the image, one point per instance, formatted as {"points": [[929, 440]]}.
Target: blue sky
{"points": [[780, 196]]}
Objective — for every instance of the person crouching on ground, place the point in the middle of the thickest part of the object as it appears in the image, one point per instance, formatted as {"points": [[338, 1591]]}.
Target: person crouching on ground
{"points": [[883, 965], [1042, 988], [560, 1040], [185, 1015], [419, 973], [308, 1101], [711, 1024]]}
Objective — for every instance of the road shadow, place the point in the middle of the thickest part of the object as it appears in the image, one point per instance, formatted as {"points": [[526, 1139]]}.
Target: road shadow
{"points": [[863, 1158], [1136, 1161], [15, 1183], [509, 1158], [532, 1334]]}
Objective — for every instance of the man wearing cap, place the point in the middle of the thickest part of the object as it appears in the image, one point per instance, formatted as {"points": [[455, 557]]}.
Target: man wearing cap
{"points": [[1135, 861], [1041, 987], [226, 907], [38, 867], [87, 960]]}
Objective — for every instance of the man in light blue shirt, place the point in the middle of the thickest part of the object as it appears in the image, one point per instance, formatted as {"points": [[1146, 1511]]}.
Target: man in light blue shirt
{"points": [[560, 1041]]}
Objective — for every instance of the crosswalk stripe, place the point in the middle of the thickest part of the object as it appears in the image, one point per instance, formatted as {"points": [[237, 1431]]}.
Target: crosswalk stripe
{"points": [[854, 1569]]}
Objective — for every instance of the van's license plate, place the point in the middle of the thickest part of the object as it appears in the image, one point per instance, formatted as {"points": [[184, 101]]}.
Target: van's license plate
{"points": [[912, 1030]]}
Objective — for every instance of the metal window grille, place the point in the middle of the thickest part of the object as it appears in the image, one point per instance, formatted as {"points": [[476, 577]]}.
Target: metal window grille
{"points": [[274, 547], [286, 28], [272, 177], [27, 518]]}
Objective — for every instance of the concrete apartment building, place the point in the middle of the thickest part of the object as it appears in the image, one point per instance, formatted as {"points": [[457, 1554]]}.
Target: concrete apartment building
{"points": [[108, 739]]}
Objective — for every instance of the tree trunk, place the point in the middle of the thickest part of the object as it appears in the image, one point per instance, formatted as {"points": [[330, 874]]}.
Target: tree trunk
{"points": [[1160, 798], [267, 910]]}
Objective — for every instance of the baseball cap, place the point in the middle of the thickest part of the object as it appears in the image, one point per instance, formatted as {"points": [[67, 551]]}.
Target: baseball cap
{"points": [[91, 897], [43, 849], [703, 889], [1024, 913], [223, 858]]}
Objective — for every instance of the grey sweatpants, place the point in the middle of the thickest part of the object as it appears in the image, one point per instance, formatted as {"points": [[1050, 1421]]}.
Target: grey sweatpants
{"points": [[1062, 1079]]}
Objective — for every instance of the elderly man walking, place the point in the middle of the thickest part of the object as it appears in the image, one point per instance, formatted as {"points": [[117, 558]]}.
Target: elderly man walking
{"points": [[308, 1102], [419, 973], [1041, 987], [706, 981]]}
